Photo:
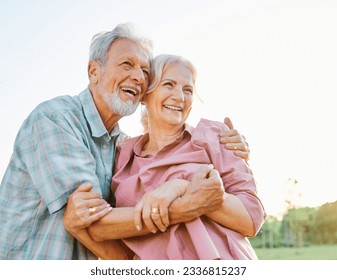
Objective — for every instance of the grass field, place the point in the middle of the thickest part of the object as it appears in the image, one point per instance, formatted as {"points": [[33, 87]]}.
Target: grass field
{"points": [[322, 252]]}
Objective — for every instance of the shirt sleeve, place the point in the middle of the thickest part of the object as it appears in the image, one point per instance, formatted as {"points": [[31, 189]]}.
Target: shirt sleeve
{"points": [[236, 174], [57, 159]]}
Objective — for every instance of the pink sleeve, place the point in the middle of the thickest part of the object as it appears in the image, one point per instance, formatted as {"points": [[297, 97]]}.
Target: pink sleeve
{"points": [[236, 175]]}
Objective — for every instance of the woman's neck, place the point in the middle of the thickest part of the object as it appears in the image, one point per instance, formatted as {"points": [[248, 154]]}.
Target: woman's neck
{"points": [[160, 137]]}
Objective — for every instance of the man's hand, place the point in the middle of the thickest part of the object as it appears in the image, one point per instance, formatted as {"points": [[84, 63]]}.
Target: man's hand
{"points": [[233, 140], [83, 208], [205, 194]]}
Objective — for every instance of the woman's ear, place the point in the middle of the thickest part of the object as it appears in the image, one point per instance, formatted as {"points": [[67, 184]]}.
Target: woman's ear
{"points": [[143, 100], [93, 71]]}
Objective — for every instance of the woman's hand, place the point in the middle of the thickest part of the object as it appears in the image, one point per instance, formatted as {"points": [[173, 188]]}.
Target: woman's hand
{"points": [[233, 140], [153, 207], [83, 208]]}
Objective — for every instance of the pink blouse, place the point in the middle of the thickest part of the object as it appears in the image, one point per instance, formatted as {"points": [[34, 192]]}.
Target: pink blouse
{"points": [[201, 238]]}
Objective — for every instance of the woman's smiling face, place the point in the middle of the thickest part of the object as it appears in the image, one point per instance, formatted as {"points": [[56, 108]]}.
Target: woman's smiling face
{"points": [[170, 103]]}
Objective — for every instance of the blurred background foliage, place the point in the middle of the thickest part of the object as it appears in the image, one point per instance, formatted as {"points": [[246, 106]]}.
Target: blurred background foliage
{"points": [[302, 233]]}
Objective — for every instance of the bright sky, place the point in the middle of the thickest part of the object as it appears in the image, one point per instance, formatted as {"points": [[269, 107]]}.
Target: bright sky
{"points": [[269, 65]]}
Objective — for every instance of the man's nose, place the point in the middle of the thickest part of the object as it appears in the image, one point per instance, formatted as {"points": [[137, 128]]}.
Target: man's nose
{"points": [[138, 75]]}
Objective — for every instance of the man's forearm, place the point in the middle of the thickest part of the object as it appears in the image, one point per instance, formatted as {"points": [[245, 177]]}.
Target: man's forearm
{"points": [[106, 250]]}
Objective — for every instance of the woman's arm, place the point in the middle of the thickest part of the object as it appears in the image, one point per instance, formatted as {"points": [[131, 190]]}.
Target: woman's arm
{"points": [[233, 215], [242, 209], [125, 222], [118, 224]]}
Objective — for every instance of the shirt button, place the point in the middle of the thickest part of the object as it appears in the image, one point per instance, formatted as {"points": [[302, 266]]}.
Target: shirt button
{"points": [[105, 146]]}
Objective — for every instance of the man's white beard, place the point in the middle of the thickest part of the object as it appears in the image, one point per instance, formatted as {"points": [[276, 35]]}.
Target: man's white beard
{"points": [[122, 108]]}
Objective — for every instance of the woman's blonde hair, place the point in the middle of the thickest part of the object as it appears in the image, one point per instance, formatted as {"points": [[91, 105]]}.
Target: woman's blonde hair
{"points": [[161, 62]]}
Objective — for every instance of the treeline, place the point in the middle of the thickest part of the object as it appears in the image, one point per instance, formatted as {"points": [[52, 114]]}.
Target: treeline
{"points": [[299, 227]]}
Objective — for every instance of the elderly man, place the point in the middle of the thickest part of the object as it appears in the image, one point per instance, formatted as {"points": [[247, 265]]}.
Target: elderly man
{"points": [[70, 141]]}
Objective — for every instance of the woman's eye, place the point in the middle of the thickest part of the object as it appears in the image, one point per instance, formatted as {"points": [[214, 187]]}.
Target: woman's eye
{"points": [[128, 63], [189, 91], [168, 84]]}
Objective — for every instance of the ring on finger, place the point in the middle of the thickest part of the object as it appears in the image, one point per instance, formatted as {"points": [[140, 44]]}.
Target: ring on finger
{"points": [[92, 210], [155, 210]]}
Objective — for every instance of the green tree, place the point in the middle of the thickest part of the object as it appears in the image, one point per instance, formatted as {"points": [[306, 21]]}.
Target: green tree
{"points": [[326, 224], [269, 236], [302, 222]]}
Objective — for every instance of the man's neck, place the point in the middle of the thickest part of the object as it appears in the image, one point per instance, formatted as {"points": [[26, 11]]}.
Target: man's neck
{"points": [[110, 119]]}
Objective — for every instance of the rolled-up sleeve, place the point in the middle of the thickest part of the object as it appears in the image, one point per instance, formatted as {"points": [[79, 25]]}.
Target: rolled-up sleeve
{"points": [[237, 176]]}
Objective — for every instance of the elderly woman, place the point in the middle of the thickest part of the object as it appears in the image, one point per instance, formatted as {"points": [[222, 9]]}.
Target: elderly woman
{"points": [[154, 171], [173, 149]]}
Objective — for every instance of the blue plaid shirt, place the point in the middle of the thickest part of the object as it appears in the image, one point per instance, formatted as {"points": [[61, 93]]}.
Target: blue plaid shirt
{"points": [[62, 144]]}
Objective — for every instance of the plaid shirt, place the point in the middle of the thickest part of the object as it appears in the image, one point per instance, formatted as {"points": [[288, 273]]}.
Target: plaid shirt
{"points": [[62, 144]]}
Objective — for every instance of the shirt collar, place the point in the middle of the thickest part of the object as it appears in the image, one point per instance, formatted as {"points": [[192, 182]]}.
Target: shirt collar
{"points": [[188, 128], [93, 118]]}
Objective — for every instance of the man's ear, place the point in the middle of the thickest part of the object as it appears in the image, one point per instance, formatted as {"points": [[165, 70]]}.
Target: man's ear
{"points": [[93, 71]]}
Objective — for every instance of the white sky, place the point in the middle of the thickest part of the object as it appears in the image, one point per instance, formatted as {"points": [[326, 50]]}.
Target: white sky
{"points": [[269, 65]]}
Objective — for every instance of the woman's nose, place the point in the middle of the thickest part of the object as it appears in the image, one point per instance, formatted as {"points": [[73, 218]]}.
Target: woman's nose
{"points": [[179, 94]]}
